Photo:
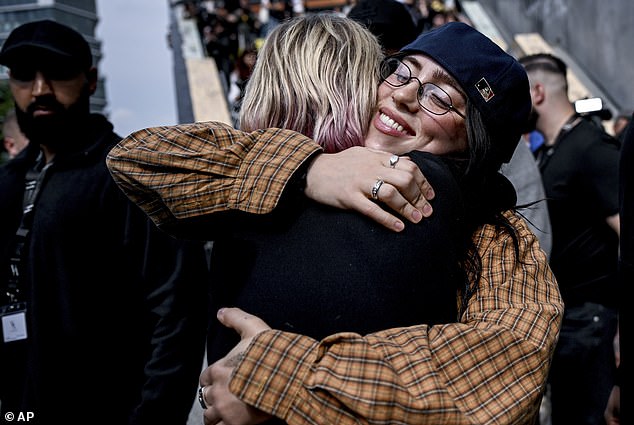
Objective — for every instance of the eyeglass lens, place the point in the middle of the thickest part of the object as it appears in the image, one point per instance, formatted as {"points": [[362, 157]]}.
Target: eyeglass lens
{"points": [[430, 96]]}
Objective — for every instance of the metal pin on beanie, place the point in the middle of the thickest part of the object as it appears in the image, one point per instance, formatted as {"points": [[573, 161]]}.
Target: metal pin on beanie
{"points": [[485, 89]]}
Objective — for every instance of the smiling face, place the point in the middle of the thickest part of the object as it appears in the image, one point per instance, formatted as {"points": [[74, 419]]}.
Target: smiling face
{"points": [[402, 125]]}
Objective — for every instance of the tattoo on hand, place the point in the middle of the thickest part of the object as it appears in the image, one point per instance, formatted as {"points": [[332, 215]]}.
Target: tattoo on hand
{"points": [[235, 360]]}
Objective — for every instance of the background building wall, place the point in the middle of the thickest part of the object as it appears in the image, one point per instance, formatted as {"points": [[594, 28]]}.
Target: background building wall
{"points": [[596, 34]]}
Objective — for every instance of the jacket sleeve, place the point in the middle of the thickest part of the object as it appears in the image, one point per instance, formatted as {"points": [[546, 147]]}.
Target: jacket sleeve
{"points": [[192, 170], [490, 368], [173, 278]]}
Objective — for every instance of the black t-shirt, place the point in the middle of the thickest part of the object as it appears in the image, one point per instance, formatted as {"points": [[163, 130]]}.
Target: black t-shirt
{"points": [[580, 175]]}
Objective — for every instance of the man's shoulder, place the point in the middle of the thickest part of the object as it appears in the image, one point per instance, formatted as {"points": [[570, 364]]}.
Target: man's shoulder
{"points": [[588, 133], [586, 143], [103, 129]]}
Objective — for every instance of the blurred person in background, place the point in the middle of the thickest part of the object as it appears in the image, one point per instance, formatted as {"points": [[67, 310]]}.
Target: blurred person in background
{"points": [[388, 20], [239, 78], [613, 411], [273, 12], [620, 124], [579, 166], [13, 138], [88, 283]]}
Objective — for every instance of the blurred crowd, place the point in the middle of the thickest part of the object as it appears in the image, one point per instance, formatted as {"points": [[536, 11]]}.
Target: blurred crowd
{"points": [[231, 31]]}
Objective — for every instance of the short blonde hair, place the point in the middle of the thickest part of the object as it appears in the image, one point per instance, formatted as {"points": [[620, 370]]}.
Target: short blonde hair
{"points": [[318, 75]]}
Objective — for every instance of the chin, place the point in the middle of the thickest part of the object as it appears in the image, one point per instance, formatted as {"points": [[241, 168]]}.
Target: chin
{"points": [[383, 142]]}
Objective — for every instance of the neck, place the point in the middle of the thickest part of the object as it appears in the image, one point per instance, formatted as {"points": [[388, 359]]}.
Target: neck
{"points": [[552, 122], [49, 154]]}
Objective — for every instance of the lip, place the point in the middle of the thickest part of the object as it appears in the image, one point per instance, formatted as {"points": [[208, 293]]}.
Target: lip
{"points": [[392, 125], [42, 112]]}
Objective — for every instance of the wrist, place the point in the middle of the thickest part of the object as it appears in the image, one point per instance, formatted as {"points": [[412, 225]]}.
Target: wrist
{"points": [[300, 177], [258, 372]]}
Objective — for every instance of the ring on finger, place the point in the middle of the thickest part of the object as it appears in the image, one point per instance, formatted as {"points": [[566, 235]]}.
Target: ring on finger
{"points": [[393, 160], [201, 397], [375, 189]]}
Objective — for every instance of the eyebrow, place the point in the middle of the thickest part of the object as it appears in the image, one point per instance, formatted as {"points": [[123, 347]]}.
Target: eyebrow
{"points": [[438, 75], [443, 77]]}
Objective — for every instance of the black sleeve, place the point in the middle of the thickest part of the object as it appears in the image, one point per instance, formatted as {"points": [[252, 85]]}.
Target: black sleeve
{"points": [[175, 281], [626, 210]]}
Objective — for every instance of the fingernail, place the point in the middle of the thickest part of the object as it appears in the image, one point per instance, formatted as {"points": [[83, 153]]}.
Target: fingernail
{"points": [[220, 312], [427, 210], [416, 216], [398, 226]]}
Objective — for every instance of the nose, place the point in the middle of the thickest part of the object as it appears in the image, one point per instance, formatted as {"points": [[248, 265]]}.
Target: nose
{"points": [[41, 85], [407, 96]]}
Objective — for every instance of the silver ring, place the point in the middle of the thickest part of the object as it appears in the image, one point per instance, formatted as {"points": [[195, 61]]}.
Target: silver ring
{"points": [[375, 189], [201, 398], [393, 160]]}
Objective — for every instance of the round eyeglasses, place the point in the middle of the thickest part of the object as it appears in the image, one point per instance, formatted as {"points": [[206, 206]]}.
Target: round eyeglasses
{"points": [[431, 98]]}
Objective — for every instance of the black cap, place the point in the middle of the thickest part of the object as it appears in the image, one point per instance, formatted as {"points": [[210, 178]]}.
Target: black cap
{"points": [[49, 37], [389, 20]]}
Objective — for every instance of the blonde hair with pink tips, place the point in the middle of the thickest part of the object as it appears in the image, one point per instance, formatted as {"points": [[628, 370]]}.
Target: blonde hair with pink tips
{"points": [[318, 75]]}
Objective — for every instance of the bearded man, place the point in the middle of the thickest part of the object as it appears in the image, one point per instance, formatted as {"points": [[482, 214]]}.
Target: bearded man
{"points": [[87, 281]]}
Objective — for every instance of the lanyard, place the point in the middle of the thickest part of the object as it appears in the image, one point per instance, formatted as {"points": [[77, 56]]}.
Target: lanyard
{"points": [[34, 181], [546, 152]]}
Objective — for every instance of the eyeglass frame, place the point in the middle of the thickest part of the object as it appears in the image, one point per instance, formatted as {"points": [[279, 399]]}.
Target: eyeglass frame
{"points": [[421, 87]]}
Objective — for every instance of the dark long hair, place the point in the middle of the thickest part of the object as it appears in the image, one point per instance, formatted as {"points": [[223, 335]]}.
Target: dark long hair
{"points": [[487, 194]]}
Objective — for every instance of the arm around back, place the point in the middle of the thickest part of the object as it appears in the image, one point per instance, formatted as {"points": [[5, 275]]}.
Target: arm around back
{"points": [[191, 170], [491, 367]]}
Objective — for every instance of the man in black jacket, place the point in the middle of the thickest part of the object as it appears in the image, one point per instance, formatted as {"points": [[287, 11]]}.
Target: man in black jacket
{"points": [[579, 166], [103, 315]]}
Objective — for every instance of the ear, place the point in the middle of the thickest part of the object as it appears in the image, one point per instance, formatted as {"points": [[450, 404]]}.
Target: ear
{"points": [[8, 142], [538, 93], [92, 77]]}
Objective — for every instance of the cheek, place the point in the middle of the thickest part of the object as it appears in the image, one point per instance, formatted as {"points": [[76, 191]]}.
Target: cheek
{"points": [[67, 93], [445, 147], [22, 95], [460, 142], [457, 143], [384, 92], [442, 135]]}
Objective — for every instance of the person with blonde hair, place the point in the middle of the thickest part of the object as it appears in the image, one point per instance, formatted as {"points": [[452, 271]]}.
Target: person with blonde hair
{"points": [[309, 77], [465, 100]]}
